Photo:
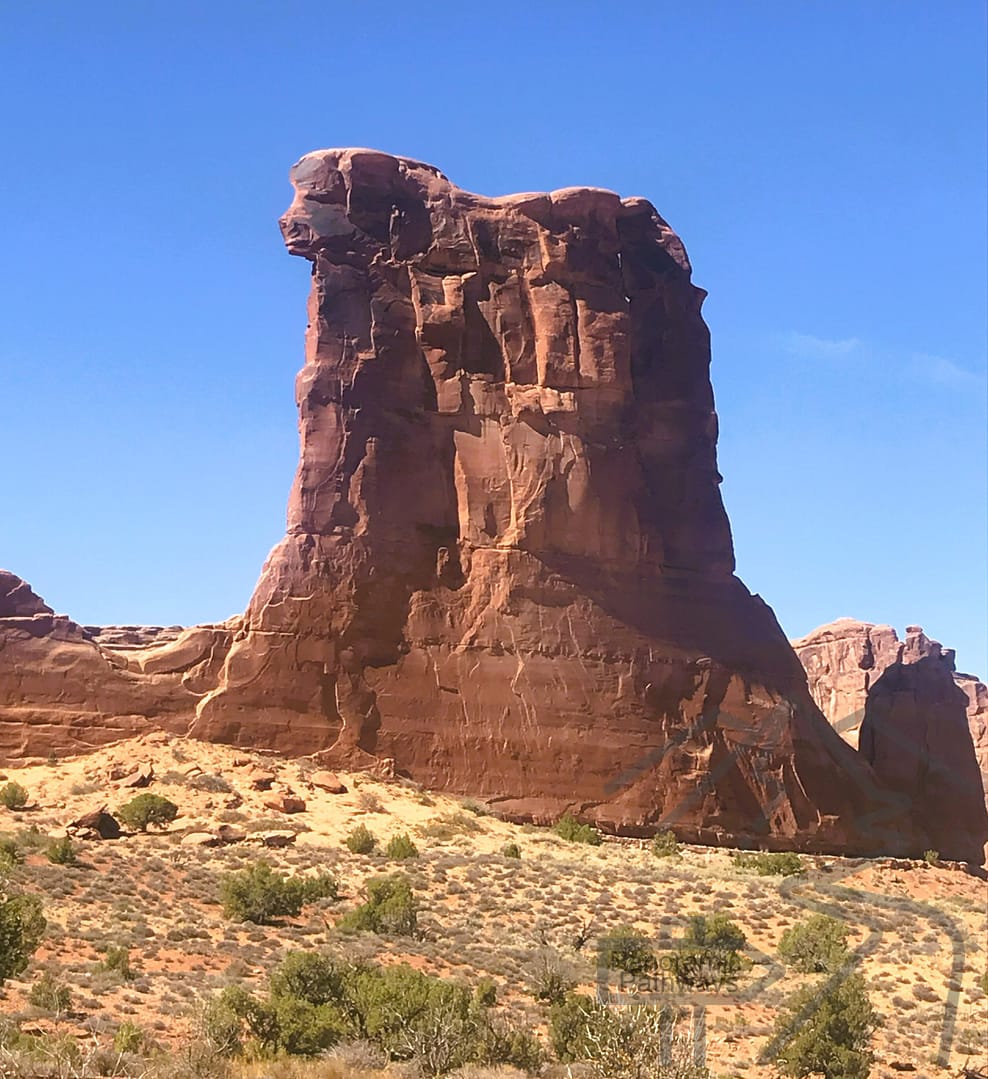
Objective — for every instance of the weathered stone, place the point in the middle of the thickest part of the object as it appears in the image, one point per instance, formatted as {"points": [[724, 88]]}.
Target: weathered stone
{"points": [[328, 781], [96, 825], [285, 803], [921, 725], [507, 567]]}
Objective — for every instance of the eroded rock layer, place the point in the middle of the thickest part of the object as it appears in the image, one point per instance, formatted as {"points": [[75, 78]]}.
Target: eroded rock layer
{"points": [[64, 690], [921, 725], [507, 565]]}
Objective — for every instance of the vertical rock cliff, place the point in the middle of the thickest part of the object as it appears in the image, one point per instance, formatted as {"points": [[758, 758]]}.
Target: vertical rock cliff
{"points": [[508, 568], [921, 725]]}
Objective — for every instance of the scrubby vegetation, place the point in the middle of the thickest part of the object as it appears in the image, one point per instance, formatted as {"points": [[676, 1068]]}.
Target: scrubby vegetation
{"points": [[315, 1001], [626, 949], [816, 945], [391, 908], [665, 845], [259, 894], [401, 847], [13, 795], [570, 829], [147, 809], [62, 852], [825, 1030], [361, 840], [22, 926], [765, 864]]}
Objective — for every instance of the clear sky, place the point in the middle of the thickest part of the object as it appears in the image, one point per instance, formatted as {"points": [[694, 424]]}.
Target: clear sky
{"points": [[824, 163]]}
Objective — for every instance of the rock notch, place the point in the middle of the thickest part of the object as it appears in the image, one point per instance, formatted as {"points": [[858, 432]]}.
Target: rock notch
{"points": [[508, 567]]}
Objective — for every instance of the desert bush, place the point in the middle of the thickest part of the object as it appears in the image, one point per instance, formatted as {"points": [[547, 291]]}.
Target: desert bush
{"points": [[766, 864], [62, 852], [50, 993], [10, 853], [13, 795], [451, 825], [315, 1003], [511, 850], [825, 1030], [22, 926], [665, 844], [130, 1038], [258, 894], [638, 1042], [570, 829], [361, 840], [400, 847], [212, 784], [147, 809], [931, 857], [116, 960], [709, 954], [815, 945], [551, 984], [626, 949], [369, 802], [391, 908]]}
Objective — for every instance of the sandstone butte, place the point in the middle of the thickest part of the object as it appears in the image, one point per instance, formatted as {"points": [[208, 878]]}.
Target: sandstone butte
{"points": [[507, 570], [922, 725]]}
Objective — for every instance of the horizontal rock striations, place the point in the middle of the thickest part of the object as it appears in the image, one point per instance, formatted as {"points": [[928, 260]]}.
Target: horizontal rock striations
{"points": [[62, 690], [507, 566], [922, 726]]}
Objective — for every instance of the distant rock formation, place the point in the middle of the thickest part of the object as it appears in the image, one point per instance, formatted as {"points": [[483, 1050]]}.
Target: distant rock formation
{"points": [[921, 725], [63, 690]]}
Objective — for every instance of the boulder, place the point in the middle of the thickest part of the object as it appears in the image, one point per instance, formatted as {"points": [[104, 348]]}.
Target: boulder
{"points": [[328, 781], [97, 824], [285, 803]]}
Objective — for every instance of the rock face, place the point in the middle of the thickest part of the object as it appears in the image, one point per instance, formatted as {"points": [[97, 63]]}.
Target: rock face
{"points": [[922, 726], [507, 564], [62, 692]]}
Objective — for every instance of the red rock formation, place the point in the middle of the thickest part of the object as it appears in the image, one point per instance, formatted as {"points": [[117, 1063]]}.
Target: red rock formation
{"points": [[62, 692], [507, 564], [921, 725]]}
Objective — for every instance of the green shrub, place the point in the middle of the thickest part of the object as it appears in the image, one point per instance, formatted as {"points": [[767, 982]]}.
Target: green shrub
{"points": [[361, 840], [451, 825], [147, 809], [116, 960], [765, 864], [665, 845], [551, 985], [485, 993], [259, 894], [819, 944], [636, 1042], [62, 852], [825, 1030], [10, 853], [130, 1038], [314, 1002], [401, 847], [570, 829], [931, 857], [709, 953], [511, 850], [50, 993], [13, 795], [391, 908], [22, 926], [628, 950]]}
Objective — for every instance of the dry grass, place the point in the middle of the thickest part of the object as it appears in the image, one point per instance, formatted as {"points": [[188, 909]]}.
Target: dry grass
{"points": [[922, 929]]}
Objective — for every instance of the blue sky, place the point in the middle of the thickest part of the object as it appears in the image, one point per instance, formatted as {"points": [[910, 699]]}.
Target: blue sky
{"points": [[823, 162]]}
